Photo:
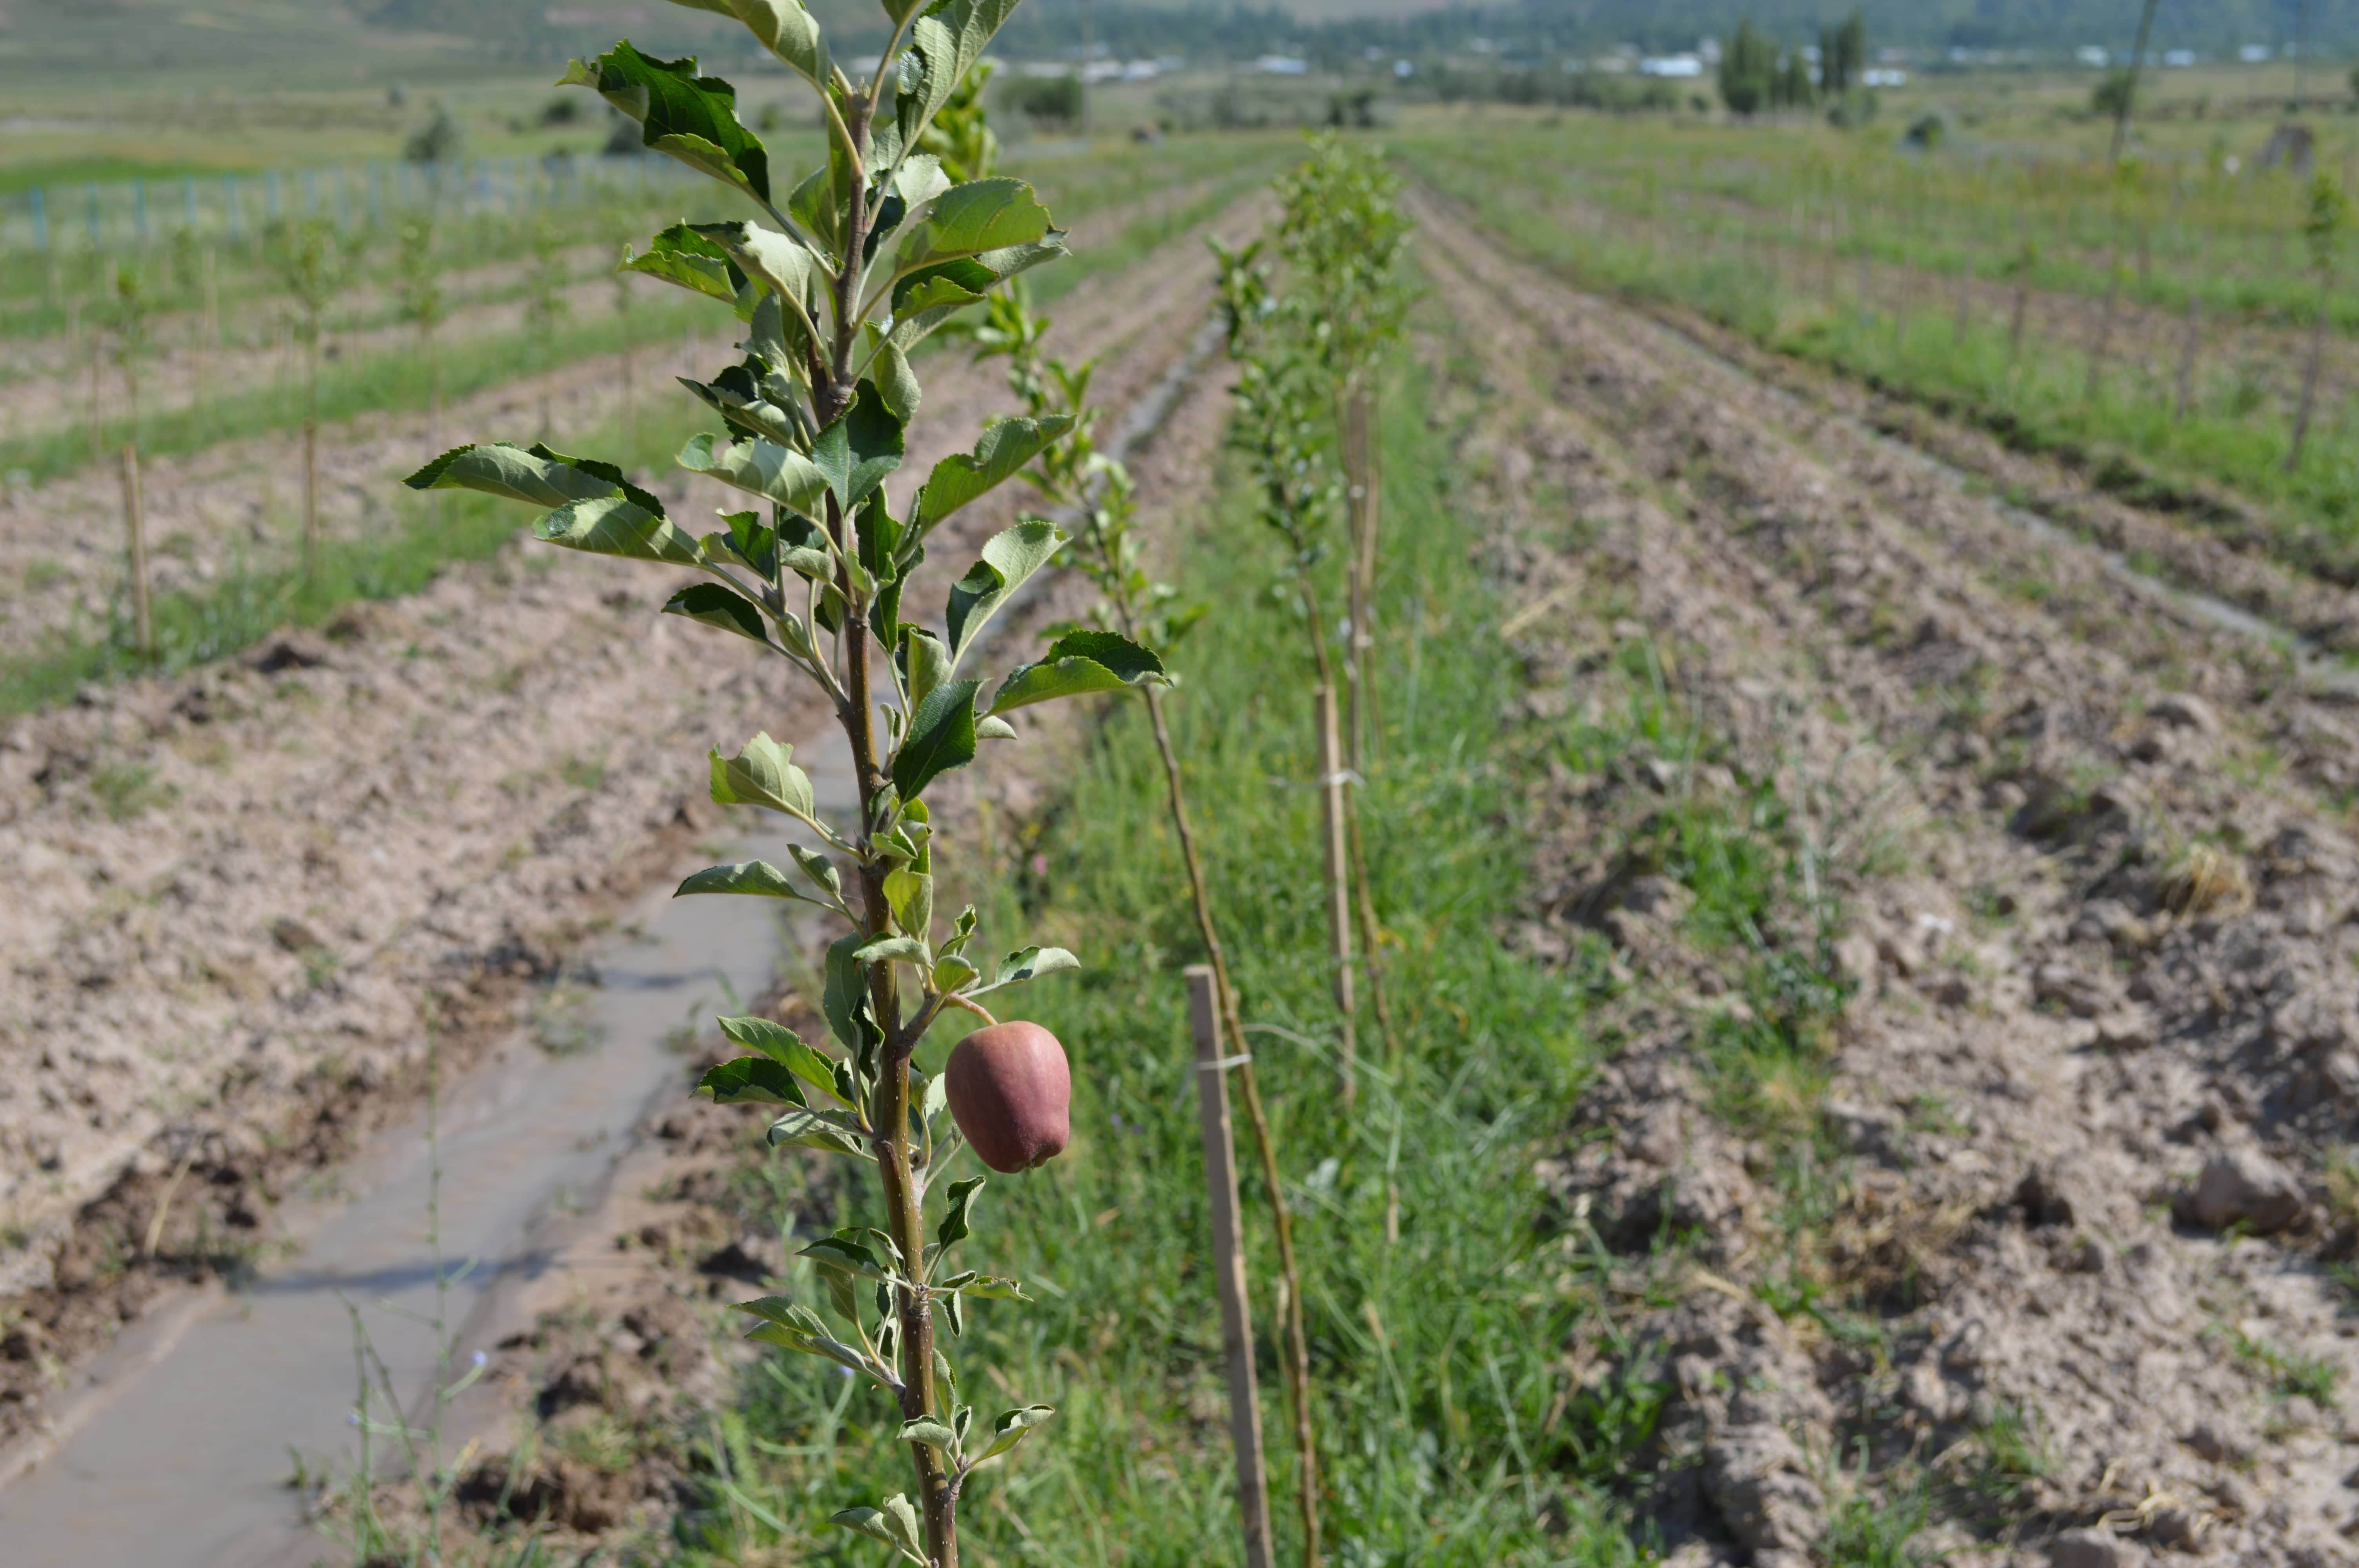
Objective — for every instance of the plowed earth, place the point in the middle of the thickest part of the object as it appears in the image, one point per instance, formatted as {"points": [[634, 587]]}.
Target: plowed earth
{"points": [[2040, 1244], [238, 899]]}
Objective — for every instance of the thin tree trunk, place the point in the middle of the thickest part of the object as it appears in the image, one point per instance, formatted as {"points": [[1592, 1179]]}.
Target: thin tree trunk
{"points": [[2189, 344], [1297, 1360], [2308, 383], [134, 525], [1333, 842], [1364, 484], [2015, 322], [1965, 319], [311, 497], [2105, 328]]}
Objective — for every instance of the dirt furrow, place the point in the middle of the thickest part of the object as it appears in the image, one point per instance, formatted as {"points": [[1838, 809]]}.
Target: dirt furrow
{"points": [[2100, 1039], [240, 896]]}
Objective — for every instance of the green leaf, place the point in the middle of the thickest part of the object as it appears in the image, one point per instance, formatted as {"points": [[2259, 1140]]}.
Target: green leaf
{"points": [[991, 727], [784, 27], [692, 118], [1014, 1427], [984, 1287], [617, 526], [818, 868], [779, 261], [750, 1080], [1031, 963], [537, 475], [763, 774], [897, 380], [929, 1431], [910, 893], [968, 220], [822, 1130], [762, 468], [784, 1046], [925, 662], [758, 879], [941, 737], [896, 1525], [1005, 448], [845, 1256], [955, 1228], [936, 1096], [844, 999], [950, 974], [893, 949], [714, 605], [1078, 663], [682, 256], [953, 1307], [1008, 557], [860, 449]]}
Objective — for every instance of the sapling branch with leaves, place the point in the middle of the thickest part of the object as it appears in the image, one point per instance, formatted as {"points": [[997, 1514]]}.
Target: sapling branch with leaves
{"points": [[2324, 220], [424, 305], [313, 261], [836, 280], [1096, 492]]}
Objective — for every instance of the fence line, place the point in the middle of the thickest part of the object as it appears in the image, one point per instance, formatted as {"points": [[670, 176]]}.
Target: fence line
{"points": [[231, 205]]}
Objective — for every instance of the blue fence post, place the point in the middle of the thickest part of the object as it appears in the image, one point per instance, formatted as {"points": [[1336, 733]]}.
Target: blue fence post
{"points": [[40, 220], [270, 194]]}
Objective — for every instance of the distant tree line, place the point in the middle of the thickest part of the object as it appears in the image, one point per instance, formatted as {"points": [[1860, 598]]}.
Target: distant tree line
{"points": [[1756, 74]]}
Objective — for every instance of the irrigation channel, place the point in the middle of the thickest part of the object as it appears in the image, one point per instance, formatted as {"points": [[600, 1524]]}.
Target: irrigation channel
{"points": [[184, 1435]]}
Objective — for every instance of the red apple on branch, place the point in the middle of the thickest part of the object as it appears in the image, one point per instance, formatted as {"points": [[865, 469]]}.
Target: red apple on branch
{"points": [[1012, 1094]]}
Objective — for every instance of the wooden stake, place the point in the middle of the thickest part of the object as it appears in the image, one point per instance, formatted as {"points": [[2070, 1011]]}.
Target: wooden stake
{"points": [[1332, 785], [135, 523], [2308, 386], [311, 497], [1229, 1263], [2187, 350]]}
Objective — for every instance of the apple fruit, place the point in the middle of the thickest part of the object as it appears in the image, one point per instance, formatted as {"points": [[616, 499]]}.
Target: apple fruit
{"points": [[1012, 1094]]}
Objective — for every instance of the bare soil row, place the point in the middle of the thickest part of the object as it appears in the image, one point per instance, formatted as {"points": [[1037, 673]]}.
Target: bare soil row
{"points": [[244, 896], [2047, 1249]]}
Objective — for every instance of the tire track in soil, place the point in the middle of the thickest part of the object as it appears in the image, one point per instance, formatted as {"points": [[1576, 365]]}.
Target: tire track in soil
{"points": [[219, 964], [2139, 1052]]}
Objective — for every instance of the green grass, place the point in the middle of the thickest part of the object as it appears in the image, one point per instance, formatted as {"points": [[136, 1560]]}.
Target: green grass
{"points": [[1436, 1355]]}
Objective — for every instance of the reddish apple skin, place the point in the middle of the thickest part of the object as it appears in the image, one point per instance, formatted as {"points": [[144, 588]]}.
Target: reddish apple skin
{"points": [[1012, 1094]]}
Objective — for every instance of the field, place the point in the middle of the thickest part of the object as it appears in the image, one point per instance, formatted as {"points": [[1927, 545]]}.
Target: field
{"points": [[1857, 805]]}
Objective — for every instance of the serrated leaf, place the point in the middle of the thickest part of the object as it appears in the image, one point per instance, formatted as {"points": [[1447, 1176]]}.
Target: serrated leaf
{"points": [[950, 974], [758, 467], [893, 949], [784, 1046], [879, 1525], [1031, 963], [968, 220], [955, 1226], [847, 1257], [1077, 664], [617, 526], [688, 116], [925, 662], [845, 996], [532, 475], [1004, 449], [682, 256], [1014, 1427], [822, 1130], [750, 1080], [818, 868], [991, 727], [911, 894], [715, 605], [929, 1431], [936, 1096], [763, 774], [941, 737], [987, 1287], [1008, 557], [756, 879], [783, 28], [860, 449]]}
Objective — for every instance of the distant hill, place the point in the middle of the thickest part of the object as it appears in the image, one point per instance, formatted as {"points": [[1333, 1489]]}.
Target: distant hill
{"points": [[365, 39]]}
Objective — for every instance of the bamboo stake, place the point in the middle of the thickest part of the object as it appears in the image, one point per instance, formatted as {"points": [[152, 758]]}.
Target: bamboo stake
{"points": [[1229, 1262], [135, 523], [1365, 492], [1339, 886]]}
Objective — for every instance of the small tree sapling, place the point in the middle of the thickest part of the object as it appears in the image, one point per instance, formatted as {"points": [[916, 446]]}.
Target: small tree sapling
{"points": [[313, 261], [844, 272], [2329, 211]]}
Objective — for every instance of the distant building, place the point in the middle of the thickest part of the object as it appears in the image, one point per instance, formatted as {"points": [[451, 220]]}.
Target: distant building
{"points": [[1282, 65], [1672, 65], [1883, 76], [2179, 58], [2254, 54], [2090, 54]]}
